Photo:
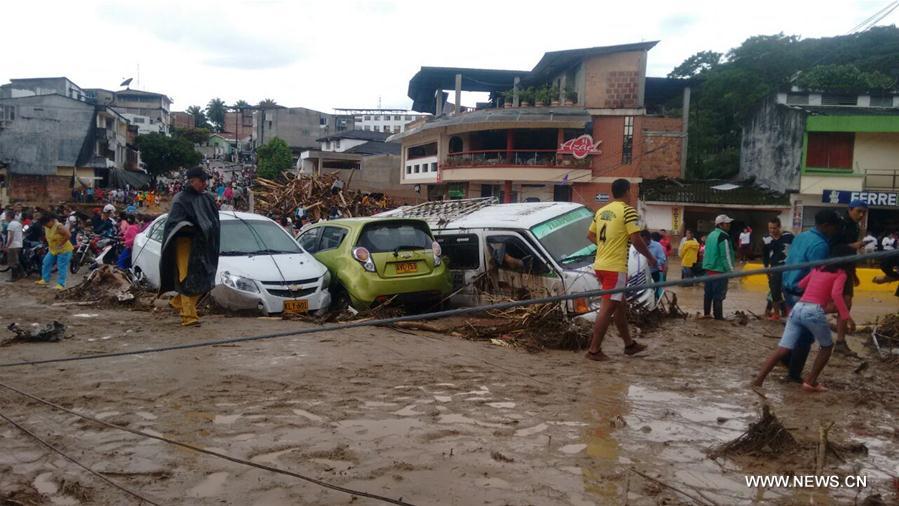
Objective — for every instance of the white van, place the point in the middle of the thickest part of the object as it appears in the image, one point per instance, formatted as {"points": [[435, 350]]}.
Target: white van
{"points": [[523, 251]]}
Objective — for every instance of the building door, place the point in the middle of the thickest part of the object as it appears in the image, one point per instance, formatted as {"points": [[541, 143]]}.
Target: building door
{"points": [[562, 193]]}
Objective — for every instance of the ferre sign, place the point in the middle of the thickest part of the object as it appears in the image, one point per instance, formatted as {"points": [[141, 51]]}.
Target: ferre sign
{"points": [[885, 199], [580, 147]]}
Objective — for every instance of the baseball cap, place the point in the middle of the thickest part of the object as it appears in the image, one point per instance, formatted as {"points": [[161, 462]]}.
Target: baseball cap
{"points": [[723, 218], [109, 208], [858, 203]]}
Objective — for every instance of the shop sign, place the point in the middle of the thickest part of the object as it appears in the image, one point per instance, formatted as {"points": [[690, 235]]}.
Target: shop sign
{"points": [[797, 216], [602, 197], [890, 199], [676, 219], [580, 147]]}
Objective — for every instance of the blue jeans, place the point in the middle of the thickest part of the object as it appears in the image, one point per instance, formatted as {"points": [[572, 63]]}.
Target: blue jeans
{"points": [[62, 261], [795, 361], [124, 260], [806, 318]]}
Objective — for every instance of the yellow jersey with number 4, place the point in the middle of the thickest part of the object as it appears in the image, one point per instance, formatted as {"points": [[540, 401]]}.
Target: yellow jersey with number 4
{"points": [[613, 224]]}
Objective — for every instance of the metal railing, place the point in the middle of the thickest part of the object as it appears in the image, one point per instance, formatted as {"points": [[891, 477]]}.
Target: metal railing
{"points": [[881, 179], [541, 158]]}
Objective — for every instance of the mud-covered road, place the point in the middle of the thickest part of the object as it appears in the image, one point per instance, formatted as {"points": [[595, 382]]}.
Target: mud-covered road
{"points": [[427, 418]]}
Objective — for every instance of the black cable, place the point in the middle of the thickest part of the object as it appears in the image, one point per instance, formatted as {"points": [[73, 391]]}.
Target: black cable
{"points": [[79, 464], [203, 450], [590, 294]]}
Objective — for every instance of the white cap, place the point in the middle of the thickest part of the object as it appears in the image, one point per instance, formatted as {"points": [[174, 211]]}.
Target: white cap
{"points": [[723, 218], [109, 208]]}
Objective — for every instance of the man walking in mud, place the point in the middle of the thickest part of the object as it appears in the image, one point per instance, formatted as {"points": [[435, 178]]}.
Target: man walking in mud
{"points": [[612, 227], [190, 247]]}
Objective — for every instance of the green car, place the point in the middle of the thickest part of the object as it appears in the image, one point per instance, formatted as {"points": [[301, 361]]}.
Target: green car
{"points": [[373, 260]]}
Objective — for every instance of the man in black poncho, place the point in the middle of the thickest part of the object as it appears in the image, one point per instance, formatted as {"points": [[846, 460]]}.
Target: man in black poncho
{"points": [[190, 247]]}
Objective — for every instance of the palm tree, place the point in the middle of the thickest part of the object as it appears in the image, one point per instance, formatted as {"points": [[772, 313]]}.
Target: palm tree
{"points": [[240, 104], [215, 111], [198, 115], [268, 103]]}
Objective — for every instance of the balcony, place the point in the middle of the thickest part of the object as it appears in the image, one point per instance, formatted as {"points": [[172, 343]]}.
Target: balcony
{"points": [[881, 179], [537, 158]]}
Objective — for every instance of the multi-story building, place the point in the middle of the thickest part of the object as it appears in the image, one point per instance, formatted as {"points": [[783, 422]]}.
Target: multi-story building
{"points": [[181, 119], [602, 120], [154, 107], [299, 127], [826, 149], [239, 123], [391, 121]]}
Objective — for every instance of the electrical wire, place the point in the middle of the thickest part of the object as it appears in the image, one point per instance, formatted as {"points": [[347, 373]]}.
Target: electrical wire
{"points": [[77, 463], [589, 294], [203, 450]]}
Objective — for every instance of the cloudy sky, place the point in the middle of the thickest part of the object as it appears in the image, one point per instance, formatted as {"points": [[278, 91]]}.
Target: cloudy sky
{"points": [[355, 53]]}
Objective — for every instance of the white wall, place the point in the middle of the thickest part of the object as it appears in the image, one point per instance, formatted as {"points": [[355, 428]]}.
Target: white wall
{"points": [[409, 174], [656, 217], [875, 151]]}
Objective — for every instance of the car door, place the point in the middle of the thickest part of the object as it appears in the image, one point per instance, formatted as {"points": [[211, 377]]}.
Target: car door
{"points": [[515, 268], [148, 249], [465, 261]]}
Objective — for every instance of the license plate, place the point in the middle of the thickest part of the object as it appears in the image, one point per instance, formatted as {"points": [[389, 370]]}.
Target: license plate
{"points": [[406, 267], [296, 306]]}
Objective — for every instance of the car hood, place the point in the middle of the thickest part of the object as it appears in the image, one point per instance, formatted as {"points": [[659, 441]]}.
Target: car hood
{"points": [[273, 267]]}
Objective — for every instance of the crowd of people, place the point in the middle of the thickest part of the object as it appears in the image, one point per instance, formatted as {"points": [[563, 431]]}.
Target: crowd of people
{"points": [[804, 296]]}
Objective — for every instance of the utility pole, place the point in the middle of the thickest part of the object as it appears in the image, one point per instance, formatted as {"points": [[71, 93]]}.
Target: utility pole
{"points": [[685, 125]]}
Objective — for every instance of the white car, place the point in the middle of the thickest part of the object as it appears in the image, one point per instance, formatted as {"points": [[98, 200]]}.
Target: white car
{"points": [[260, 266]]}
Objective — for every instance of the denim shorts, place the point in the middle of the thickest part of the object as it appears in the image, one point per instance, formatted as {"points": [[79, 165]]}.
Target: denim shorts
{"points": [[806, 316]]}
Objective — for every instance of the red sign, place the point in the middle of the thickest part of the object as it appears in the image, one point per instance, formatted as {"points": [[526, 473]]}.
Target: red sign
{"points": [[580, 147]]}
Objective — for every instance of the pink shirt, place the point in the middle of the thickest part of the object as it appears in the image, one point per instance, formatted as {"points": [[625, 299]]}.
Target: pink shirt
{"points": [[130, 233], [821, 287]]}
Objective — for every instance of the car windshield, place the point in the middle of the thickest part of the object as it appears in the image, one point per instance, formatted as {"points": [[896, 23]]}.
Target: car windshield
{"points": [[255, 237], [393, 236], [565, 237]]}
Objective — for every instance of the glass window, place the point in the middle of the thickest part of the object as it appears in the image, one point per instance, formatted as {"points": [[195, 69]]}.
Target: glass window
{"points": [[157, 230], [509, 252], [368, 118], [309, 239], [367, 128], [565, 238], [462, 251], [830, 150], [627, 148], [392, 236], [331, 238], [250, 237], [408, 169], [416, 168], [433, 166]]}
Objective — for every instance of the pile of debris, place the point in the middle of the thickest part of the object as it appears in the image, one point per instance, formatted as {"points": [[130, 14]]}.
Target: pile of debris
{"points": [[318, 196], [107, 285], [51, 333], [885, 336]]}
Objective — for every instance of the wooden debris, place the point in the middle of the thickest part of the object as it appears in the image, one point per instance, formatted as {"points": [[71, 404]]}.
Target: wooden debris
{"points": [[320, 196]]}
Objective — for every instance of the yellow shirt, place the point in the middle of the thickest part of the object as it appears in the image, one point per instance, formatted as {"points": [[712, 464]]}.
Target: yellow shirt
{"points": [[689, 253], [613, 224], [56, 242]]}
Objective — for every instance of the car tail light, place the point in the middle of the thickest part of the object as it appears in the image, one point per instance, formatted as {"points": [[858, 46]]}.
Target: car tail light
{"points": [[364, 257], [580, 306], [438, 253]]}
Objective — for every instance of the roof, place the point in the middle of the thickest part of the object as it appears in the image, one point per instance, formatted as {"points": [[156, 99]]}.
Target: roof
{"points": [[554, 117], [842, 110], [702, 192], [356, 134], [425, 83], [129, 91], [554, 62], [377, 148], [41, 79]]}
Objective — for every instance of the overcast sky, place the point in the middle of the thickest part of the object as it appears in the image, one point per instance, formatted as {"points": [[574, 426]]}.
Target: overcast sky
{"points": [[353, 53]]}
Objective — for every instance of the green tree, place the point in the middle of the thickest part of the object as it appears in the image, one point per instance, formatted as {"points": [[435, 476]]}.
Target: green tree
{"points": [[215, 111], [194, 135], [240, 104], [697, 64], [162, 154], [844, 78], [199, 116], [273, 158], [268, 103]]}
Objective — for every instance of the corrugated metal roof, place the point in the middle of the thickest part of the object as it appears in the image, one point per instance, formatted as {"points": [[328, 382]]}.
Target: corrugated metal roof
{"points": [[702, 192]]}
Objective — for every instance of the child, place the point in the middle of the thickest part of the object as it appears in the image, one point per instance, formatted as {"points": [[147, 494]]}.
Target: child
{"points": [[821, 287]]}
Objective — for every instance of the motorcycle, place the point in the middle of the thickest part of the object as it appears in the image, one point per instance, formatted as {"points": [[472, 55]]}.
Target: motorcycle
{"points": [[87, 245], [110, 249]]}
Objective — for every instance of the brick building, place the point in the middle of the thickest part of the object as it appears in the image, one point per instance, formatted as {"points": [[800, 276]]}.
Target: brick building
{"points": [[562, 131]]}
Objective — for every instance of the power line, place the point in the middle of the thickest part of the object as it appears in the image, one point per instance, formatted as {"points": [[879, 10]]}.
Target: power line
{"points": [[79, 464], [193, 448], [590, 294]]}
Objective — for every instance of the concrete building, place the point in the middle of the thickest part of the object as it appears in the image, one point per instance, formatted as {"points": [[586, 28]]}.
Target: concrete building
{"points": [[51, 143], [825, 150], [181, 119], [363, 159], [154, 107], [239, 123], [389, 121], [17, 88], [603, 120], [299, 127]]}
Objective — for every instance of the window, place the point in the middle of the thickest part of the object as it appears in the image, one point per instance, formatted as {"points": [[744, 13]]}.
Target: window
{"points": [[882, 101], [376, 128], [409, 118], [830, 150], [397, 118], [455, 144], [627, 147], [509, 252], [248, 237], [367, 128], [422, 151], [417, 168], [337, 144], [390, 236], [408, 169], [8, 113], [462, 251], [158, 228], [839, 100], [309, 240], [368, 118], [433, 166], [331, 238], [396, 129], [797, 99]]}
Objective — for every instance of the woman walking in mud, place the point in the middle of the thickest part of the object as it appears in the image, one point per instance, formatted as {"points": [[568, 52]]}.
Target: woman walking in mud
{"points": [[822, 292]]}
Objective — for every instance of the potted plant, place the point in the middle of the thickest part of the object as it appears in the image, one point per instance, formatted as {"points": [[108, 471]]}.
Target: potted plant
{"points": [[570, 96], [525, 96], [554, 95], [542, 96], [508, 97]]}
